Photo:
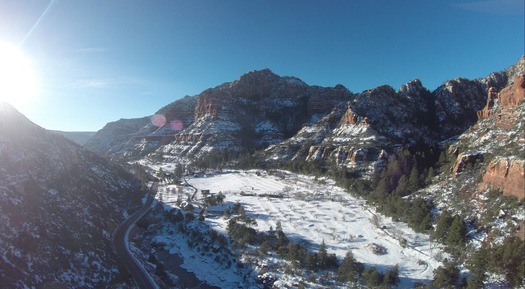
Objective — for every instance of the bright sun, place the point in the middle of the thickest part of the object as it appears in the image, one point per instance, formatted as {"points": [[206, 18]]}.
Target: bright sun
{"points": [[17, 81]]}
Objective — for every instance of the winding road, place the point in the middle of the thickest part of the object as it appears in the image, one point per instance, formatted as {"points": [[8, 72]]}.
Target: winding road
{"points": [[120, 245]]}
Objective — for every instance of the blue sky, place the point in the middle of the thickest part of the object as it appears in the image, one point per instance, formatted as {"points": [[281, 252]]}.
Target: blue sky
{"points": [[99, 61]]}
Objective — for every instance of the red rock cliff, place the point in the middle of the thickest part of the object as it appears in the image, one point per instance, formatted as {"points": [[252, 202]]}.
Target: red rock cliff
{"points": [[507, 175]]}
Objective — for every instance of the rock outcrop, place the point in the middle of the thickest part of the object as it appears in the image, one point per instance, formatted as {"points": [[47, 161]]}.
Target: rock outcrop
{"points": [[464, 160], [506, 175], [492, 96], [513, 95], [499, 133], [510, 97]]}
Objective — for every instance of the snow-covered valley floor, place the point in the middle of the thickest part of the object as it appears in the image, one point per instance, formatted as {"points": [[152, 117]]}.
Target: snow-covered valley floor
{"points": [[312, 211]]}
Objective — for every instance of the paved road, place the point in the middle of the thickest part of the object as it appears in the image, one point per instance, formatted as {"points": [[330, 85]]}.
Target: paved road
{"points": [[120, 245]]}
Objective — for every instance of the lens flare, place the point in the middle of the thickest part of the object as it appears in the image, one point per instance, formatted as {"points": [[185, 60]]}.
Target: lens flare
{"points": [[176, 125], [159, 120]]}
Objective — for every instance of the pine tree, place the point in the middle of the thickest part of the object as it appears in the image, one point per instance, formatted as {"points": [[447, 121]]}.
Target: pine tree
{"points": [[265, 247], [457, 233], [402, 187], [413, 180], [322, 256], [446, 276], [511, 257], [294, 253], [372, 278], [443, 225], [478, 267], [391, 277], [310, 261], [347, 270], [430, 175], [278, 226]]}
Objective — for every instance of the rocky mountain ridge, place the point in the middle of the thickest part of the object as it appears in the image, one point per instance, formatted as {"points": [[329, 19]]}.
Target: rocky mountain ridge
{"points": [[286, 120], [258, 109]]}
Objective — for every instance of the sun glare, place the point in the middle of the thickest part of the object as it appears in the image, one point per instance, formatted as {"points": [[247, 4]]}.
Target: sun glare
{"points": [[17, 81]]}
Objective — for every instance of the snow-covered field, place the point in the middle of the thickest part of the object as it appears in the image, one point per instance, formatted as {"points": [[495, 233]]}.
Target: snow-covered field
{"points": [[312, 211]]}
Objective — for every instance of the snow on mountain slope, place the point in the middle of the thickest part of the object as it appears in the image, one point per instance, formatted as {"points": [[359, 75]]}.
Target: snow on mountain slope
{"points": [[256, 110], [60, 205], [489, 163], [361, 133]]}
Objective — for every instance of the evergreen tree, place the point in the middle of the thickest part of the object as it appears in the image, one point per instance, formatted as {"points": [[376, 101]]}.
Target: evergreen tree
{"points": [[402, 187], [413, 180], [348, 269], [391, 277], [478, 267], [294, 253], [278, 226], [430, 175], [446, 276], [372, 278], [444, 222], [510, 256], [420, 214], [265, 247], [322, 256], [310, 261], [457, 233]]}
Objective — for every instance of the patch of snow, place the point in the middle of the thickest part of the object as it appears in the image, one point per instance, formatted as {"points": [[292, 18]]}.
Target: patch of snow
{"points": [[314, 211]]}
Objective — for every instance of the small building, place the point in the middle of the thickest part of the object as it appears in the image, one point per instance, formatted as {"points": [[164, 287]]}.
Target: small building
{"points": [[217, 210]]}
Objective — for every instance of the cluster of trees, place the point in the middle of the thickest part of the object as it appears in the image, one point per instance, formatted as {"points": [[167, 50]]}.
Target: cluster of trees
{"points": [[214, 200], [201, 240], [218, 160], [403, 176], [451, 231], [241, 232], [352, 271], [507, 258]]}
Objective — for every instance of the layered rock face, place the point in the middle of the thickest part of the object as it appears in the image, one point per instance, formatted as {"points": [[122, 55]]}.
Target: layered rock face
{"points": [[513, 95], [257, 110], [357, 134], [507, 175], [509, 98], [505, 112], [294, 121], [492, 96], [60, 204]]}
